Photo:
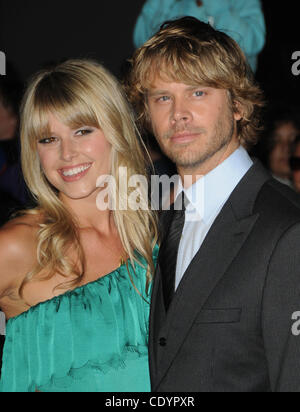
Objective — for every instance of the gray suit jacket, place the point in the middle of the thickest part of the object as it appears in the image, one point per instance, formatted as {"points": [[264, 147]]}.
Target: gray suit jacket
{"points": [[231, 325]]}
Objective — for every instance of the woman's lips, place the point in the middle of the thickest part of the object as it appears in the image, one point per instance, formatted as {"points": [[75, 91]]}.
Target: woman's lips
{"points": [[74, 173]]}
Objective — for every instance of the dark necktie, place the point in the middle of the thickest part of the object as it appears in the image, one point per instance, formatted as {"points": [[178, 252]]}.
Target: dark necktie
{"points": [[169, 250]]}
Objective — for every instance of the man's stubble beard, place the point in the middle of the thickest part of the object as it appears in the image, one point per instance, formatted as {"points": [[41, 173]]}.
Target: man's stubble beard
{"points": [[193, 158]]}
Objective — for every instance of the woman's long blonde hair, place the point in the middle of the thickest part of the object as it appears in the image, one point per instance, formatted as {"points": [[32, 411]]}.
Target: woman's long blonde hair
{"points": [[82, 92]]}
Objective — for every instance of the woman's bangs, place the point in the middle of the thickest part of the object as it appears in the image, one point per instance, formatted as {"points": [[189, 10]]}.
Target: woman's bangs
{"points": [[68, 108]]}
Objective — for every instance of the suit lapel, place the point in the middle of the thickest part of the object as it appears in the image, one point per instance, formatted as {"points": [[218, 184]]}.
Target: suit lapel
{"points": [[220, 247]]}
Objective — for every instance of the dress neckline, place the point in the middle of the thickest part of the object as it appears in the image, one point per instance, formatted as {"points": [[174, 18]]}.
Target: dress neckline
{"points": [[70, 291]]}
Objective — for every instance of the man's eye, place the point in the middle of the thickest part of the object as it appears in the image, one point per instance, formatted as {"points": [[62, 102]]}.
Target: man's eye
{"points": [[163, 98], [199, 93], [47, 140]]}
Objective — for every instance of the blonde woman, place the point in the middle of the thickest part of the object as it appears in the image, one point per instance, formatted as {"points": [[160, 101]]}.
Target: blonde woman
{"points": [[75, 278]]}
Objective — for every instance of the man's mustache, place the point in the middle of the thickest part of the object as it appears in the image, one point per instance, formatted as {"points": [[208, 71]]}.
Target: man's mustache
{"points": [[174, 131]]}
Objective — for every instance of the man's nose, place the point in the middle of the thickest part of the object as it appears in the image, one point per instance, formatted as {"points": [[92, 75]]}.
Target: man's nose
{"points": [[180, 112]]}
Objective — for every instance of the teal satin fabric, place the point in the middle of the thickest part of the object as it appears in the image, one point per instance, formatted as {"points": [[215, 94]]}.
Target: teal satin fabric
{"points": [[90, 339]]}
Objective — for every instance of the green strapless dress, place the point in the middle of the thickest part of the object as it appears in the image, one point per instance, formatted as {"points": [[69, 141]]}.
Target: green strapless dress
{"points": [[90, 339]]}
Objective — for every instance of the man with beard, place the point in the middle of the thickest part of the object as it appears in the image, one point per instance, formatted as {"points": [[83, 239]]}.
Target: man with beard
{"points": [[226, 292]]}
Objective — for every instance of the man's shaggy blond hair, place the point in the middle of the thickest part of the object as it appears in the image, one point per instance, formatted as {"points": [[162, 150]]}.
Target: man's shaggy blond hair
{"points": [[192, 52]]}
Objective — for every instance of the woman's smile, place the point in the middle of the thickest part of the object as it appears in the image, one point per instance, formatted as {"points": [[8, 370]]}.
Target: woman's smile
{"points": [[74, 173]]}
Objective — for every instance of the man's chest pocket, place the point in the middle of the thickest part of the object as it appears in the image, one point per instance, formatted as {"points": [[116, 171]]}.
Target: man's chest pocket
{"points": [[219, 316]]}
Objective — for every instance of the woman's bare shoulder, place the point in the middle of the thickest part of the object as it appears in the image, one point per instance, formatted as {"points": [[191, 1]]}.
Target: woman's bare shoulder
{"points": [[25, 220], [18, 246], [19, 232]]}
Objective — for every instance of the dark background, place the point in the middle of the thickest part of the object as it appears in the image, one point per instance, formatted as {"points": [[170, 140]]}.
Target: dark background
{"points": [[33, 33]]}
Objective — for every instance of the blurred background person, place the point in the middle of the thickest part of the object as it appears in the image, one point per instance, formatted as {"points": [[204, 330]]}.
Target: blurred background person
{"points": [[282, 125], [243, 20], [13, 192], [295, 163]]}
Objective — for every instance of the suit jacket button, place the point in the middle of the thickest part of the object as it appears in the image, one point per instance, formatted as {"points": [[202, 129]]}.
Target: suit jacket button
{"points": [[163, 342]]}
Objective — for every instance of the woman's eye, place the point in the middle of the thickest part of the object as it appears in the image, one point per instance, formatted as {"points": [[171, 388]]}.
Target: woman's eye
{"points": [[83, 132], [47, 140]]}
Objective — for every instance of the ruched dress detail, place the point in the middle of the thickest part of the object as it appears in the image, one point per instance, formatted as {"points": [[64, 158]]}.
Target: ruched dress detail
{"points": [[90, 339]]}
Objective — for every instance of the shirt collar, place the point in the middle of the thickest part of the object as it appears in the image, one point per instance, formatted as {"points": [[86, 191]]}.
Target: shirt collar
{"points": [[210, 192]]}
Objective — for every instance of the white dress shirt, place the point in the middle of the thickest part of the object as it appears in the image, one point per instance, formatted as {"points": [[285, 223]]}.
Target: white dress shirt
{"points": [[206, 198]]}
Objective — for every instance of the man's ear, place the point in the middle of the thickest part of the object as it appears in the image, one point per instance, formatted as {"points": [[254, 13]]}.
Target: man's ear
{"points": [[238, 111]]}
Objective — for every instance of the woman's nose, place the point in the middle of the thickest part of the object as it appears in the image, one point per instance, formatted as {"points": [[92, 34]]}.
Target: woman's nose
{"points": [[68, 150]]}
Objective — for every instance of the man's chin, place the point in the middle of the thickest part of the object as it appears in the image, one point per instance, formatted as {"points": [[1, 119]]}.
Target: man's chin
{"points": [[188, 160]]}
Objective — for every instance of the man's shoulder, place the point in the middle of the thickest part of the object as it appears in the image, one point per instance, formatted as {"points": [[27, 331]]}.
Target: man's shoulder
{"points": [[278, 201], [259, 192]]}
